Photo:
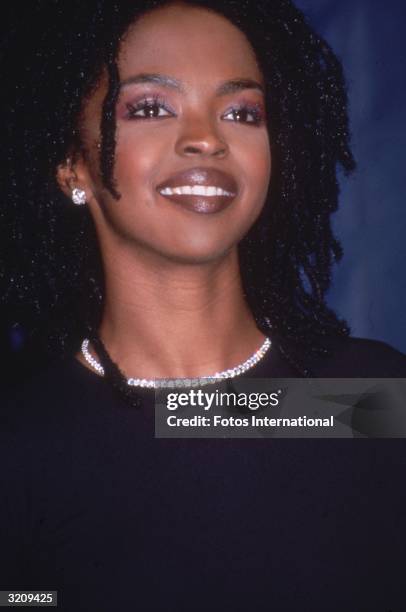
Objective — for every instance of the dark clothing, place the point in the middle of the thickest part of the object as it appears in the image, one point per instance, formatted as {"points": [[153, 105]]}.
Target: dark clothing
{"points": [[92, 505]]}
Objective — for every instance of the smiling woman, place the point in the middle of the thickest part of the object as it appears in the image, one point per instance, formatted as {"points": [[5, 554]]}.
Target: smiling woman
{"points": [[171, 147], [199, 143]]}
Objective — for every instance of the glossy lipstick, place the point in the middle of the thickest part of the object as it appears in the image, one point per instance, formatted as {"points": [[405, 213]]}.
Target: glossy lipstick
{"points": [[201, 190]]}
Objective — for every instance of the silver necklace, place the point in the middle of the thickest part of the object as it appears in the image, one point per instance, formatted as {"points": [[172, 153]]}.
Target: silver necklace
{"points": [[173, 383]]}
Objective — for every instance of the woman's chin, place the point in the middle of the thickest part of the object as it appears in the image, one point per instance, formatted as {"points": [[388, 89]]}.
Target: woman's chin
{"points": [[196, 256]]}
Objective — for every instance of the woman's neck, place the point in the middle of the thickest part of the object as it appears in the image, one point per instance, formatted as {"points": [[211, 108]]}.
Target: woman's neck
{"points": [[176, 320]]}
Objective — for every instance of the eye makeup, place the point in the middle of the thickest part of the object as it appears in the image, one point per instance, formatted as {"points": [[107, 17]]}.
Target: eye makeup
{"points": [[152, 105], [250, 113]]}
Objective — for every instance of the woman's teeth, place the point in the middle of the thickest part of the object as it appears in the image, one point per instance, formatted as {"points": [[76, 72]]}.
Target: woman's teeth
{"points": [[199, 190]]}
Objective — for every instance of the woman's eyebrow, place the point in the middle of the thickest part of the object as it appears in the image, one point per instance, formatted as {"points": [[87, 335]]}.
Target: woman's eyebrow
{"points": [[226, 88], [159, 79], [235, 85]]}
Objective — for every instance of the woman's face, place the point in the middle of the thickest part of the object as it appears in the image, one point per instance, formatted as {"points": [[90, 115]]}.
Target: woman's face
{"points": [[192, 161]]}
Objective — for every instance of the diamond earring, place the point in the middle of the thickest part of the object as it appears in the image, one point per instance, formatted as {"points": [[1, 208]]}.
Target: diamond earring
{"points": [[78, 196]]}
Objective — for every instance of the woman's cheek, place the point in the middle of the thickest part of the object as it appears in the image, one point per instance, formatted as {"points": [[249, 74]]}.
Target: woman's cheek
{"points": [[255, 161], [135, 160]]}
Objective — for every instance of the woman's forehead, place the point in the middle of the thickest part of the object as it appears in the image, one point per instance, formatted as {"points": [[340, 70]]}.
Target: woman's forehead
{"points": [[187, 40]]}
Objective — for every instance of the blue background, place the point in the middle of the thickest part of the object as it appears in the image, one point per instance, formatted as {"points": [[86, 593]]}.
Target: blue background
{"points": [[369, 287]]}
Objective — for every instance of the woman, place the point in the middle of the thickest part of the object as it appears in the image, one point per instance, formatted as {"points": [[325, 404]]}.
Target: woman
{"points": [[286, 258], [208, 170]]}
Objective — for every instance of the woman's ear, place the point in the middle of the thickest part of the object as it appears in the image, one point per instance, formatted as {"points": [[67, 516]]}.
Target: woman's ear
{"points": [[72, 182]]}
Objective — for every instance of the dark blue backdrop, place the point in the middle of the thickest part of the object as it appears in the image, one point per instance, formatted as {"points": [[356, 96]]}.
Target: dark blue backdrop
{"points": [[369, 287]]}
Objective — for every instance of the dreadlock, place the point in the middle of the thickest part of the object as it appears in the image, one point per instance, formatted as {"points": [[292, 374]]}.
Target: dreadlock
{"points": [[50, 267]]}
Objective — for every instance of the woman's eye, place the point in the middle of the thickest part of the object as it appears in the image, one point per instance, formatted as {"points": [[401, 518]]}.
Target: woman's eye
{"points": [[243, 115], [148, 110]]}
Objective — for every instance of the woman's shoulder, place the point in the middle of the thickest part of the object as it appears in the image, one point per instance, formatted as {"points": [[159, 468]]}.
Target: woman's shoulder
{"points": [[350, 357]]}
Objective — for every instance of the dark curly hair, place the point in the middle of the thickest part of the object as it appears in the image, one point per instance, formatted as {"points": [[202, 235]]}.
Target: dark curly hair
{"points": [[50, 267]]}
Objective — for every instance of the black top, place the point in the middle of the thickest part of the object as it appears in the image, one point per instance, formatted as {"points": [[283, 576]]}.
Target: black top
{"points": [[92, 505]]}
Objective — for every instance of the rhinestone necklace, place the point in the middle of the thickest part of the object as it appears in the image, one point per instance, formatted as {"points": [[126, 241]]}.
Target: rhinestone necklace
{"points": [[159, 383]]}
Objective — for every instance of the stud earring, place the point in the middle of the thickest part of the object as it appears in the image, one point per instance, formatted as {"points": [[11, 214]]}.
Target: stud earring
{"points": [[78, 196]]}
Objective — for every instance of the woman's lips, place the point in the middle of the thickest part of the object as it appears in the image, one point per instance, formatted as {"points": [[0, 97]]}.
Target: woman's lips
{"points": [[202, 190]]}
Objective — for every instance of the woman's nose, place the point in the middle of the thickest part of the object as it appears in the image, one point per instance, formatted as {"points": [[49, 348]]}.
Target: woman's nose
{"points": [[200, 138]]}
